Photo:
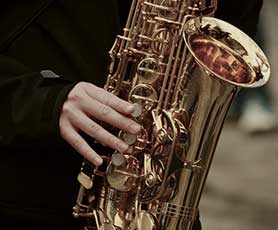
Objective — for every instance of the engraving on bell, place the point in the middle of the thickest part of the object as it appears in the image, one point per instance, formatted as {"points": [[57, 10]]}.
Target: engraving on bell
{"points": [[162, 136], [150, 179]]}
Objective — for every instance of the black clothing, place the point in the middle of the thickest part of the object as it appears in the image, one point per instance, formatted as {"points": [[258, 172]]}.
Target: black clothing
{"points": [[38, 169]]}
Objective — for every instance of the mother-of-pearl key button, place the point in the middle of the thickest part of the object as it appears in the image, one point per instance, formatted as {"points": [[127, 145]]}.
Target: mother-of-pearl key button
{"points": [[118, 159], [138, 110], [129, 138]]}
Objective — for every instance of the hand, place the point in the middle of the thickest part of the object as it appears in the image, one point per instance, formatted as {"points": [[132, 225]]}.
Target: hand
{"points": [[87, 102]]}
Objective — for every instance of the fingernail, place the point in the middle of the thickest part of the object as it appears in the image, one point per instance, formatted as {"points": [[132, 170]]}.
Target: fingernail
{"points": [[135, 128], [137, 110], [130, 108], [98, 160], [123, 147]]}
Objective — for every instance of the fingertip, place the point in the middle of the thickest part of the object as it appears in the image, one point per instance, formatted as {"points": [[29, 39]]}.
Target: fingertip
{"points": [[98, 161], [135, 128], [130, 108], [123, 147]]}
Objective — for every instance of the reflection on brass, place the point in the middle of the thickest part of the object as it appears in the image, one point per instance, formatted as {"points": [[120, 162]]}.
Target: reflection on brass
{"points": [[123, 175], [220, 60], [107, 226], [146, 221], [144, 96], [182, 68]]}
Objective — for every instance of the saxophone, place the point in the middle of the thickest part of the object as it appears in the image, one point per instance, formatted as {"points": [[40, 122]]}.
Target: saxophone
{"points": [[182, 68]]}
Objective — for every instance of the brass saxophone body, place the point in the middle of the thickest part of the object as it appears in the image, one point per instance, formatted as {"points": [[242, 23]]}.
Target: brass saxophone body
{"points": [[182, 68]]}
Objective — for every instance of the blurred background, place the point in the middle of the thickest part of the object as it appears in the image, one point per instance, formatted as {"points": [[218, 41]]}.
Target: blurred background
{"points": [[241, 192]]}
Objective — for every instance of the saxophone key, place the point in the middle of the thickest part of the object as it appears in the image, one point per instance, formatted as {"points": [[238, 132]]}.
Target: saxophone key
{"points": [[85, 180], [138, 110]]}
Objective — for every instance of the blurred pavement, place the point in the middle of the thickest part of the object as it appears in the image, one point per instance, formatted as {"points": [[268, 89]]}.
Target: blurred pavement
{"points": [[241, 192], [242, 188]]}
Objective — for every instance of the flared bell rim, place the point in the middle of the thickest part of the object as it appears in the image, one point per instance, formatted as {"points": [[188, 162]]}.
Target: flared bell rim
{"points": [[236, 42]]}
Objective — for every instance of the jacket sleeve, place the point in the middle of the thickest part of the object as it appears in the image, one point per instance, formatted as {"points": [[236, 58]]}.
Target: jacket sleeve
{"points": [[242, 14], [30, 103]]}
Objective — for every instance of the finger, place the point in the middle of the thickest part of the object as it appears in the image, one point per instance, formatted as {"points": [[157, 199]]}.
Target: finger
{"points": [[110, 116], [80, 145], [110, 99], [90, 127]]}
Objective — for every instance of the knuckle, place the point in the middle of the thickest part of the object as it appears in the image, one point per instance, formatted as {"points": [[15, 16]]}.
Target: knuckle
{"points": [[105, 110], [81, 84], [77, 93], [76, 144], [66, 109], [117, 104], [94, 129], [107, 97], [74, 96]]}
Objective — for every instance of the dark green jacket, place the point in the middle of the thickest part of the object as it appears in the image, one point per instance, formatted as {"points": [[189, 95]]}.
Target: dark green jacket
{"points": [[72, 39]]}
